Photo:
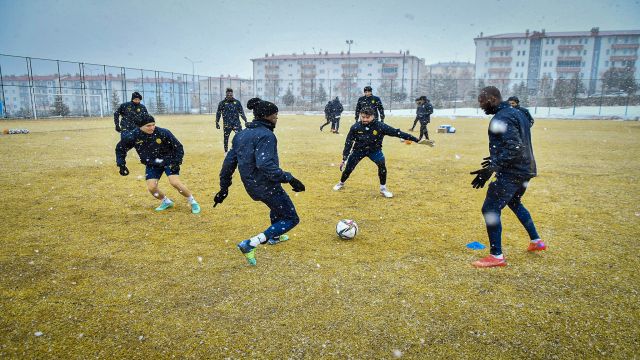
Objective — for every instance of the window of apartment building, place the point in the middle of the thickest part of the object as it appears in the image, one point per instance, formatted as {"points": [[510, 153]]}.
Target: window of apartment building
{"points": [[518, 53], [606, 63], [321, 71], [547, 42], [544, 64], [369, 74], [551, 52], [290, 65], [550, 63], [524, 52], [369, 64], [584, 52], [546, 52]]}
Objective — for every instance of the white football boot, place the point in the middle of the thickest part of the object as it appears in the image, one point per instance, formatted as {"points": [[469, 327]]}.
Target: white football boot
{"points": [[338, 186], [385, 192]]}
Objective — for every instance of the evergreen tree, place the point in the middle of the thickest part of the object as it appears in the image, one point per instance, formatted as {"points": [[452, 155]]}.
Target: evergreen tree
{"points": [[115, 100], [619, 79], [322, 95], [288, 99], [59, 107]]}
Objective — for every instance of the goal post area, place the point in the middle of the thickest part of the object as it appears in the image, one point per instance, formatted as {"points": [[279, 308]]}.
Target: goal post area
{"points": [[61, 104]]}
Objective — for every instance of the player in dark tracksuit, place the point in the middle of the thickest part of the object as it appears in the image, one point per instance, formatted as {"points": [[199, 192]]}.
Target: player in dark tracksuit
{"points": [[423, 114], [230, 109], [515, 103], [327, 115], [372, 102], [511, 159], [131, 113], [160, 152], [254, 152], [336, 113], [365, 140]]}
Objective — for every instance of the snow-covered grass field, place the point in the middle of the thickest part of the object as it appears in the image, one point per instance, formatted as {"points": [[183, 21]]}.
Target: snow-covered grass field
{"points": [[89, 270]]}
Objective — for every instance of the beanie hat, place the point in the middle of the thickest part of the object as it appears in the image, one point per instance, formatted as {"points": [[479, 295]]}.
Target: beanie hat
{"points": [[514, 98], [368, 88], [367, 111], [261, 108], [144, 120], [136, 95]]}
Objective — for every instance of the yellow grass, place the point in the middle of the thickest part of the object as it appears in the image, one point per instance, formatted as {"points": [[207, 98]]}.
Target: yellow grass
{"points": [[85, 260]]}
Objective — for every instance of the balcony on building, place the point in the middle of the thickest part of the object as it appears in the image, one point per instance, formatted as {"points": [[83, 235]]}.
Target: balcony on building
{"points": [[625, 46], [569, 58], [571, 47], [499, 70], [501, 48], [500, 59], [624, 58], [567, 69]]}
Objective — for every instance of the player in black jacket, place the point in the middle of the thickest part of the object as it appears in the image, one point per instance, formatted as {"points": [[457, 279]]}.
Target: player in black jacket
{"points": [[131, 113], [515, 103], [161, 152], [230, 109], [511, 159], [372, 102], [365, 140]]}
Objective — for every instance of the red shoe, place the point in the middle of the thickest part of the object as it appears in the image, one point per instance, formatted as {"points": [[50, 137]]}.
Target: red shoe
{"points": [[489, 261], [537, 246]]}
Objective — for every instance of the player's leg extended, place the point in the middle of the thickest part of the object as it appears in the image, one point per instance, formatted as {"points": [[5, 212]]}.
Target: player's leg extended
{"points": [[525, 219], [352, 162], [499, 194], [283, 215], [415, 121]]}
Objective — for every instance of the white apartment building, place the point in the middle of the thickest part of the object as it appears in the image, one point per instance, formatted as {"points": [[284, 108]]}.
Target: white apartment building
{"points": [[342, 75], [531, 56]]}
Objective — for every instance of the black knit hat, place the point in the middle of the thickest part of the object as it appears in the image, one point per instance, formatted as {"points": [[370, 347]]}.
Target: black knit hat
{"points": [[514, 98], [261, 108], [144, 120], [368, 88], [136, 95], [367, 111]]}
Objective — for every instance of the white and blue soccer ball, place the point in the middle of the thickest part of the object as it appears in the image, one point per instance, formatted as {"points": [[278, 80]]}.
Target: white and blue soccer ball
{"points": [[347, 229]]}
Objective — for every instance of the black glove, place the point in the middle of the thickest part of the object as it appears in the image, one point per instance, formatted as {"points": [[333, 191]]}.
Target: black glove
{"points": [[482, 176], [220, 196], [218, 126], [123, 170], [296, 185], [118, 129], [487, 162]]}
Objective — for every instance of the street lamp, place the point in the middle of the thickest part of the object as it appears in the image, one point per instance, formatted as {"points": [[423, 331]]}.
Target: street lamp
{"points": [[349, 42]]}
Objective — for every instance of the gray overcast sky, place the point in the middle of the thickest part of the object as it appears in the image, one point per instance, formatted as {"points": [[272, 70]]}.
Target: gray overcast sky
{"points": [[226, 34]]}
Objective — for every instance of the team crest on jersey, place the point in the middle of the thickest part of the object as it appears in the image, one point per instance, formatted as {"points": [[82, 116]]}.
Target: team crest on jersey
{"points": [[159, 141], [373, 101], [375, 132], [137, 110]]}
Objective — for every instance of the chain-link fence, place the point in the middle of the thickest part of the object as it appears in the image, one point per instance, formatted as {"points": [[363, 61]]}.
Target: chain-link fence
{"points": [[34, 88], [589, 97]]}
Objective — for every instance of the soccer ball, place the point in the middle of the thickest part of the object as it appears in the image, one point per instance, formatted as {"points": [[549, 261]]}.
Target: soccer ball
{"points": [[347, 229]]}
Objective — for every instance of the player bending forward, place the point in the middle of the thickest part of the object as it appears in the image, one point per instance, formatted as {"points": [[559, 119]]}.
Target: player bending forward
{"points": [[161, 152], [365, 140]]}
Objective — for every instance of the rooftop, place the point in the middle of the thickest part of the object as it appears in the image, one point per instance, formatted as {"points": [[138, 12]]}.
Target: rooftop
{"points": [[326, 55], [543, 33]]}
